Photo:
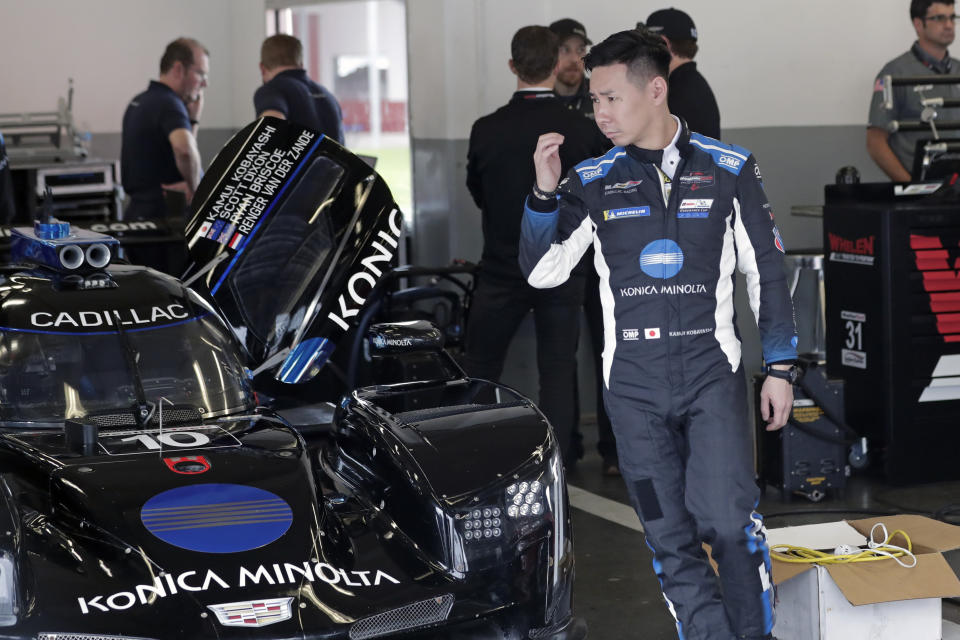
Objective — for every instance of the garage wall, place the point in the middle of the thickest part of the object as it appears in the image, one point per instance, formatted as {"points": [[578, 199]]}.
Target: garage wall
{"points": [[770, 62], [111, 48], [792, 77], [793, 82]]}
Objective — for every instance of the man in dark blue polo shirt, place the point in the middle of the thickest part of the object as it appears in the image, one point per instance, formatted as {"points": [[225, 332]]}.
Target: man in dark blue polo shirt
{"points": [[159, 148], [288, 92]]}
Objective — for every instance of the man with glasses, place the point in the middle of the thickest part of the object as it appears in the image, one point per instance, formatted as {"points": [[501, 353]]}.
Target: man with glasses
{"points": [[573, 89], [572, 86], [159, 153], [935, 22]]}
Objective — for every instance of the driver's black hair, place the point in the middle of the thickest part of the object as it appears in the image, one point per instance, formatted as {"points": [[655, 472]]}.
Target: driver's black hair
{"points": [[644, 52]]}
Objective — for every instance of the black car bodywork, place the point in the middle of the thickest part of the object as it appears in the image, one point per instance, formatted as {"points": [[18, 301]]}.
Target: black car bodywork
{"points": [[145, 494]]}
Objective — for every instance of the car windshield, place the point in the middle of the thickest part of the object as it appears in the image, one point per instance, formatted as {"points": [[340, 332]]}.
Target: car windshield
{"points": [[47, 377]]}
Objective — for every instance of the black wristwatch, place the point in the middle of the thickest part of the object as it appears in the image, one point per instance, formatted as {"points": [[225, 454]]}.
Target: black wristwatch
{"points": [[790, 375]]}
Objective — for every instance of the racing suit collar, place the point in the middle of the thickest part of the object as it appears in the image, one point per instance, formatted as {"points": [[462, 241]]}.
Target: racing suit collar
{"points": [[679, 145]]}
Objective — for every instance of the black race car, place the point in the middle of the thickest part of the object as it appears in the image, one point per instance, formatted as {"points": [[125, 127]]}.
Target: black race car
{"points": [[146, 492]]}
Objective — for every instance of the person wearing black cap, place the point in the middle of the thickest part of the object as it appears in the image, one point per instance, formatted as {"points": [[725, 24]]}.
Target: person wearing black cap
{"points": [[689, 96], [574, 88], [572, 85], [499, 174]]}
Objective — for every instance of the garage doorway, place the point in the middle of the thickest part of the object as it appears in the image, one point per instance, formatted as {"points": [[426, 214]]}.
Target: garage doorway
{"points": [[357, 49]]}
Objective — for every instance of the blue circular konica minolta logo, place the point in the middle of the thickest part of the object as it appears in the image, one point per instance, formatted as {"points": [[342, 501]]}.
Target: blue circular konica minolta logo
{"points": [[661, 259], [217, 518]]}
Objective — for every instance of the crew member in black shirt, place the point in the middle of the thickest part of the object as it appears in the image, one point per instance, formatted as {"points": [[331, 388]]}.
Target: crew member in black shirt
{"points": [[572, 86], [499, 174], [288, 92], [159, 145], [688, 94]]}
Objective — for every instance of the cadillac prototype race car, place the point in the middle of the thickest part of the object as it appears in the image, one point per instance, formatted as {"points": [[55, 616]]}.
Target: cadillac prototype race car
{"points": [[147, 492]]}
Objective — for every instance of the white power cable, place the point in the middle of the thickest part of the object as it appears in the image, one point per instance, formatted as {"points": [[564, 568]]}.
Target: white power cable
{"points": [[882, 548]]}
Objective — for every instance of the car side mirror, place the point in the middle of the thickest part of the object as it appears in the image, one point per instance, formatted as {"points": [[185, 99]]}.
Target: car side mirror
{"points": [[400, 338]]}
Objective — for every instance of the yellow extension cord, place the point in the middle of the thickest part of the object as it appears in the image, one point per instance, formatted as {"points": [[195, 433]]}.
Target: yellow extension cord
{"points": [[878, 551]]}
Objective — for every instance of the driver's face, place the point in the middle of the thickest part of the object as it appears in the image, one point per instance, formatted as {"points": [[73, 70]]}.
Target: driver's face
{"points": [[623, 110]]}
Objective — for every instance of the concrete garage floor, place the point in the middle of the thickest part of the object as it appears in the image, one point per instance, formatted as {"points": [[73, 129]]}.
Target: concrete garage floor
{"points": [[616, 590]]}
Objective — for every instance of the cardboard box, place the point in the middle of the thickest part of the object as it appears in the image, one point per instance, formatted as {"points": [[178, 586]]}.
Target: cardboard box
{"points": [[869, 600]]}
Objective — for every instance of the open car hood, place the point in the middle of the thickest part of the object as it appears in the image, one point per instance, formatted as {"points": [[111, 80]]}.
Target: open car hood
{"points": [[289, 235]]}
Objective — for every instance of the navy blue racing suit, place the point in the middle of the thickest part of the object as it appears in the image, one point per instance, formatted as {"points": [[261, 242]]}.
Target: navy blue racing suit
{"points": [[668, 228]]}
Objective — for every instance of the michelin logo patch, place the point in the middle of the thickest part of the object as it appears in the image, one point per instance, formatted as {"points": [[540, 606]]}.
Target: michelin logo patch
{"points": [[629, 212], [695, 208]]}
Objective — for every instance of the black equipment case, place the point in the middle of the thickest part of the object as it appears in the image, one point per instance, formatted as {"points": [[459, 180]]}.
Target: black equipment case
{"points": [[893, 322]]}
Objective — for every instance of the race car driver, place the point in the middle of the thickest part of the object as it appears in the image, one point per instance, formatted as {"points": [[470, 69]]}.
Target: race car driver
{"points": [[670, 214]]}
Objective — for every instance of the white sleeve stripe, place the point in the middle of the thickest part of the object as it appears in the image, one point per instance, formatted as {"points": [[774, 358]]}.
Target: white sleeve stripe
{"points": [[555, 266], [725, 333], [716, 148], [607, 303], [747, 261], [619, 154]]}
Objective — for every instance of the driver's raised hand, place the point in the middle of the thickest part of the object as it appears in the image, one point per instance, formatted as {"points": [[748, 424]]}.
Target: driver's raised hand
{"points": [[546, 160]]}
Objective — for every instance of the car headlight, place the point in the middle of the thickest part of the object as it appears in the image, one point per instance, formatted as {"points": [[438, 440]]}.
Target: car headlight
{"points": [[8, 591], [493, 525], [482, 524]]}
